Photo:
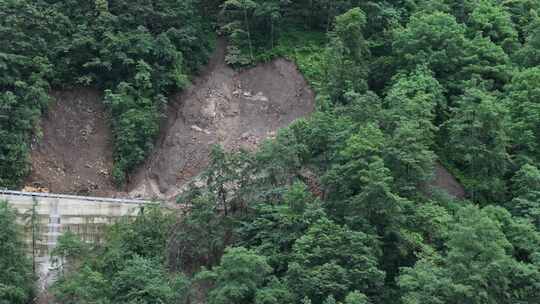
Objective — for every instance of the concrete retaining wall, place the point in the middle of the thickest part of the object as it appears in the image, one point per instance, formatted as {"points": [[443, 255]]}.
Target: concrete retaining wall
{"points": [[87, 217]]}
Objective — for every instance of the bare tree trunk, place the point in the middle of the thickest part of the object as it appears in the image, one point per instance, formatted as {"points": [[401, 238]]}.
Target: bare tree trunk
{"points": [[329, 15], [272, 32], [248, 34]]}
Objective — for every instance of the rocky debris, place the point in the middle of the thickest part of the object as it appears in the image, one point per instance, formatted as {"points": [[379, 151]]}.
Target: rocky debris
{"points": [[444, 180], [75, 153], [247, 141], [258, 97], [236, 109], [248, 95], [199, 129], [35, 189], [312, 181]]}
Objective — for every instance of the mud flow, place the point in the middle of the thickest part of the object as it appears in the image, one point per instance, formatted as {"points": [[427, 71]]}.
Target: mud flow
{"points": [[237, 109], [444, 180], [73, 152]]}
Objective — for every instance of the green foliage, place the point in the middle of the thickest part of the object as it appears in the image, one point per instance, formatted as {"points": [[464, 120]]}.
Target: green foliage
{"points": [[495, 22], [346, 55], [128, 268], [142, 281], [337, 207], [200, 238], [415, 103], [522, 12], [136, 127], [305, 48], [240, 278], [69, 249], [85, 286], [477, 267], [439, 41], [435, 39], [356, 297], [479, 142], [239, 31], [23, 95], [526, 192], [330, 260], [274, 230], [528, 55], [146, 237], [397, 83], [16, 278], [137, 51], [522, 98]]}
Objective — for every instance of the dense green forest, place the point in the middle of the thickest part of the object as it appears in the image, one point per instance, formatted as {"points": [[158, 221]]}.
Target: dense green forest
{"points": [[337, 208]]}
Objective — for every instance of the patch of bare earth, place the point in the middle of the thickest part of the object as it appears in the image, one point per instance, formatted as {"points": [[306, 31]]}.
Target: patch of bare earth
{"points": [[444, 180], [74, 153], [236, 109]]}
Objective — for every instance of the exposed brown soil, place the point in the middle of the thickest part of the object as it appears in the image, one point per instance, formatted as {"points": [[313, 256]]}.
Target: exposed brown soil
{"points": [[223, 106], [74, 153], [237, 109], [444, 180]]}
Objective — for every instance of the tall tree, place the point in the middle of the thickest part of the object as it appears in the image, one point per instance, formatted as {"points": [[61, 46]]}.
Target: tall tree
{"points": [[142, 281], [414, 105], [477, 267], [478, 143], [240, 13], [33, 228], [529, 54], [526, 192], [435, 39], [331, 260], [346, 55], [86, 286], [523, 98], [243, 277], [16, 278], [493, 21], [275, 229]]}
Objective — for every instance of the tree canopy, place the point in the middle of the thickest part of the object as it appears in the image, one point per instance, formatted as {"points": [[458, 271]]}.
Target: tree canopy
{"points": [[345, 206]]}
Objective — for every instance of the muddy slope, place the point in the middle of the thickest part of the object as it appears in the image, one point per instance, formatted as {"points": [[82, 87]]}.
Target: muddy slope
{"points": [[444, 180], [223, 106], [74, 153]]}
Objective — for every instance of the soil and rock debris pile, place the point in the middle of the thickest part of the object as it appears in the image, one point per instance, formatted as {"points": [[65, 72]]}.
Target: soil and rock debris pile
{"points": [[236, 109], [444, 180], [73, 153]]}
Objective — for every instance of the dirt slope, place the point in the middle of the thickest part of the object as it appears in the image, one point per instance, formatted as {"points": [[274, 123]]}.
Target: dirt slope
{"points": [[74, 154], [444, 180], [223, 106], [232, 108]]}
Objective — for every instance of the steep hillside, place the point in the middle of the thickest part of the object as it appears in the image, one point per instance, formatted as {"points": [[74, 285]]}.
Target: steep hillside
{"points": [[237, 109], [444, 180], [74, 154]]}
